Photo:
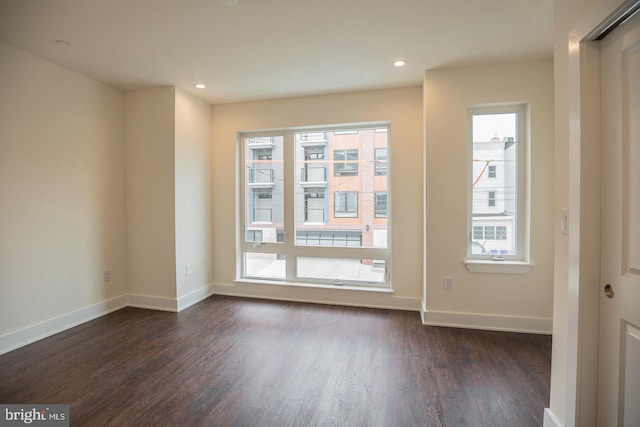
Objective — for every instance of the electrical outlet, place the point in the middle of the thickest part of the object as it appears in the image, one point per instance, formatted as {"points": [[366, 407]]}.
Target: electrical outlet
{"points": [[447, 283], [106, 276]]}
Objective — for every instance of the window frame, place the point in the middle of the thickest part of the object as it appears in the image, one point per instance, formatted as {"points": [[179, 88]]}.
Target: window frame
{"points": [[377, 211], [491, 199], [523, 169], [347, 202], [288, 249]]}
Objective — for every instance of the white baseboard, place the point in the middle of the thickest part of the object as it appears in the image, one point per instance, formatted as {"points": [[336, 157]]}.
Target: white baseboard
{"points": [[319, 295], [52, 326], [195, 297], [550, 419], [487, 322], [152, 303], [33, 333]]}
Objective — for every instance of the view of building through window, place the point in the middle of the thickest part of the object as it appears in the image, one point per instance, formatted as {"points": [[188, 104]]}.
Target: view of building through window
{"points": [[495, 138], [331, 191]]}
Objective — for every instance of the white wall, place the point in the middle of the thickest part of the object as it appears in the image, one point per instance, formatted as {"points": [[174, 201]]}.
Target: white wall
{"points": [[62, 214], [168, 157], [193, 193], [500, 301], [150, 195], [573, 400], [403, 108], [92, 179]]}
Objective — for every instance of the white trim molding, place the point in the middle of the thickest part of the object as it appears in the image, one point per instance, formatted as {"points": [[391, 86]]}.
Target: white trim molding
{"points": [[487, 322], [49, 327], [369, 298], [194, 297], [46, 328], [500, 267], [550, 419], [152, 302]]}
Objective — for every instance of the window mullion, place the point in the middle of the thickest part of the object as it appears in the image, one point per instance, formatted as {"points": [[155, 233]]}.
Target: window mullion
{"points": [[289, 166]]}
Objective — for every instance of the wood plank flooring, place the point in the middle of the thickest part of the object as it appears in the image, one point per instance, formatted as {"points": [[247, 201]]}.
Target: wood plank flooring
{"points": [[241, 362]]}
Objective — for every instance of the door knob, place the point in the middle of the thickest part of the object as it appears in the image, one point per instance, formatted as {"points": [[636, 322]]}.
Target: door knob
{"points": [[608, 291]]}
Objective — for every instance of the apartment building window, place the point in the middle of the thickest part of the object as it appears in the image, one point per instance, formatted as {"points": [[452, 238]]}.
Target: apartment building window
{"points": [[345, 204], [292, 212], [492, 198], [490, 232], [254, 235], [497, 208], [314, 205], [345, 162], [381, 204], [381, 161]]}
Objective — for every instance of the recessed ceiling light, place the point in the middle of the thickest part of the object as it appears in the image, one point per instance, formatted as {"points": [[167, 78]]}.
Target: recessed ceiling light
{"points": [[63, 43], [199, 85], [399, 63], [228, 2]]}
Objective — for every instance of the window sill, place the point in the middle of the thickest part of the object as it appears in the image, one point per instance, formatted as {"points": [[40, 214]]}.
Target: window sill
{"points": [[315, 285], [500, 267]]}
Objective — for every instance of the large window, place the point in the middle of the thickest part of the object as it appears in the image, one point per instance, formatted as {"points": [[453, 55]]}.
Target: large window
{"points": [[497, 206], [301, 223]]}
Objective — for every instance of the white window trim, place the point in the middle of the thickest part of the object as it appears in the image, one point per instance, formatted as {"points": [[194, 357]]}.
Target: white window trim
{"points": [[520, 263], [289, 249], [500, 267]]}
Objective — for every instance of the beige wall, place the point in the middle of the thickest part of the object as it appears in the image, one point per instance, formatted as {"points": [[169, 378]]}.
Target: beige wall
{"points": [[92, 179], [168, 157], [193, 193], [62, 215], [150, 172], [402, 107], [448, 94]]}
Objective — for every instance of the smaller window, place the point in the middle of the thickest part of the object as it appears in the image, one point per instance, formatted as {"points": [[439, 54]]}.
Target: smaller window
{"points": [[381, 204], [381, 161], [492, 171], [346, 162], [265, 154], [254, 235], [492, 198], [478, 233], [345, 204], [314, 153]]}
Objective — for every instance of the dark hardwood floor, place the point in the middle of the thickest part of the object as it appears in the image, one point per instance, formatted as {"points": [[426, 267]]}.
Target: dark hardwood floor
{"points": [[241, 362]]}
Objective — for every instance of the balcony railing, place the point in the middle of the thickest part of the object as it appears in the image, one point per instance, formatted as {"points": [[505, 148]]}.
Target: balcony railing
{"points": [[313, 139], [261, 143], [262, 215], [314, 215], [313, 175], [261, 178]]}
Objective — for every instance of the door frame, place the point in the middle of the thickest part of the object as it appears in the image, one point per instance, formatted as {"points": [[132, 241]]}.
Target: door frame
{"points": [[583, 293]]}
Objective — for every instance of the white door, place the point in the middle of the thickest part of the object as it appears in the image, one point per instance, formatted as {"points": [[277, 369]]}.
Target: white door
{"points": [[619, 358]]}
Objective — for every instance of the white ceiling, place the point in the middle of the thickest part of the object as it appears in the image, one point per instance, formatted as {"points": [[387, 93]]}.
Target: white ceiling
{"points": [[262, 49]]}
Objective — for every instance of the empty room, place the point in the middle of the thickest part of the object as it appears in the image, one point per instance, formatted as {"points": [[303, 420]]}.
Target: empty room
{"points": [[294, 213]]}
